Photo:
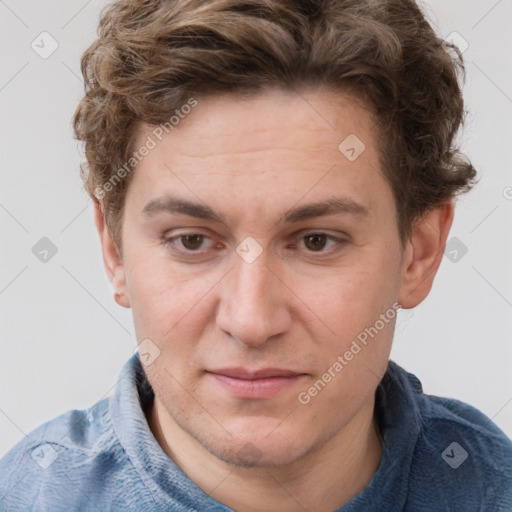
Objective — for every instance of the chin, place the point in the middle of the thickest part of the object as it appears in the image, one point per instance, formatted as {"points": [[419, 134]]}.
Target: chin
{"points": [[259, 450], [252, 454]]}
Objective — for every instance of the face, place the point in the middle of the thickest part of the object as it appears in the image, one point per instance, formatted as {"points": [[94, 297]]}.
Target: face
{"points": [[255, 254]]}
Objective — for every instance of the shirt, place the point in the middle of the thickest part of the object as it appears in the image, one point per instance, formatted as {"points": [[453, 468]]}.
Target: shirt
{"points": [[438, 455]]}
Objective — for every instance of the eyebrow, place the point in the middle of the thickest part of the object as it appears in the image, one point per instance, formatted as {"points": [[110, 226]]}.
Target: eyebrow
{"points": [[331, 206]]}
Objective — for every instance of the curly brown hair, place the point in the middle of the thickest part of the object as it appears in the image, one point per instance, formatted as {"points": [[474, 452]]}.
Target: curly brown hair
{"points": [[152, 56]]}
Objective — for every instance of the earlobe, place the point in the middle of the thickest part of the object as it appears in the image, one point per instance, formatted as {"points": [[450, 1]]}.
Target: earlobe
{"points": [[423, 254], [112, 260]]}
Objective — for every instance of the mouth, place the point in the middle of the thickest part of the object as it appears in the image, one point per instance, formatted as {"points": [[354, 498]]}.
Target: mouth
{"points": [[255, 384]]}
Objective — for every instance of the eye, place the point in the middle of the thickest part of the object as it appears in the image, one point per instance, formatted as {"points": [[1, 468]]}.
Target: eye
{"points": [[319, 242], [192, 242], [188, 242]]}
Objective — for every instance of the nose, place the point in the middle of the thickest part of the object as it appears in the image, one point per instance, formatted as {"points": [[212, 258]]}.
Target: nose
{"points": [[253, 306]]}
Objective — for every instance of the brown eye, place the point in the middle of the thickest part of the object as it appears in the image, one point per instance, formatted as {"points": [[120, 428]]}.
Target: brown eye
{"points": [[192, 242], [189, 245], [315, 241]]}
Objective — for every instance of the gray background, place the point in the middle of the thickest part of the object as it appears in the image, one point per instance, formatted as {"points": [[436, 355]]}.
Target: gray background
{"points": [[64, 339]]}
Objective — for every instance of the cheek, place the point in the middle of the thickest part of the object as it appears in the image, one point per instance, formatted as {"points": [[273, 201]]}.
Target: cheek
{"points": [[163, 298], [351, 297], [361, 310]]}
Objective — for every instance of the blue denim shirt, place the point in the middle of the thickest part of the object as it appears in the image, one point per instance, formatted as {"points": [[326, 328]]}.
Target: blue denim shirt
{"points": [[439, 455]]}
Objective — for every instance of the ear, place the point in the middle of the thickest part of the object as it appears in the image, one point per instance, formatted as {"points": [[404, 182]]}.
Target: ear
{"points": [[111, 259], [423, 254]]}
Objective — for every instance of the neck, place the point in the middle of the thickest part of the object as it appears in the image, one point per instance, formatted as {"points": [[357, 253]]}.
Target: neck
{"points": [[323, 480]]}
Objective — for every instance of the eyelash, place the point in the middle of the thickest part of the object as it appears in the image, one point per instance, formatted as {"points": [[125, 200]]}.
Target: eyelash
{"points": [[167, 241]]}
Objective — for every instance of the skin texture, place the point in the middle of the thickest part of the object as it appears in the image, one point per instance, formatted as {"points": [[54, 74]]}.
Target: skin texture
{"points": [[297, 306]]}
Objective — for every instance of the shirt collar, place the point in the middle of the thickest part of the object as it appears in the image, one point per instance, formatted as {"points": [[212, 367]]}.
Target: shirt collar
{"points": [[398, 416], [169, 486]]}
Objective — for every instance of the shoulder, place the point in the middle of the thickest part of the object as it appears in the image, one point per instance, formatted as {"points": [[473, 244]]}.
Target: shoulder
{"points": [[461, 457], [56, 465]]}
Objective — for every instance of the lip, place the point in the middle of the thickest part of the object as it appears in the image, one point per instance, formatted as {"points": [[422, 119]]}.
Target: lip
{"points": [[255, 384]]}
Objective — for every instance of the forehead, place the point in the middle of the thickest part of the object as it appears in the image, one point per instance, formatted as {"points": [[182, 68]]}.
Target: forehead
{"points": [[265, 151], [228, 118]]}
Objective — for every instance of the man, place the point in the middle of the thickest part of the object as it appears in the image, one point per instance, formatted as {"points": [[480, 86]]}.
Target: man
{"points": [[272, 181]]}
